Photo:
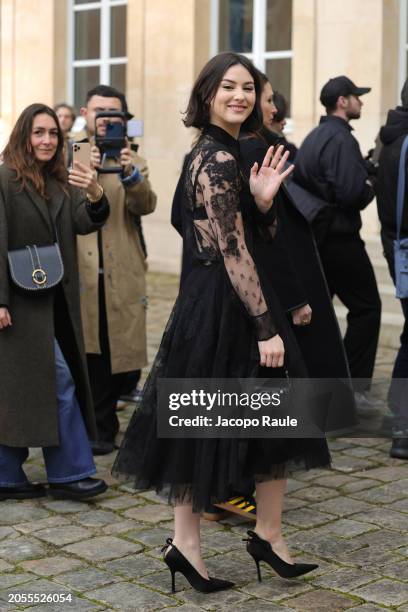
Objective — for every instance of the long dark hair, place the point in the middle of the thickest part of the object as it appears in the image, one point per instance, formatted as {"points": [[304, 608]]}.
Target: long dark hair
{"points": [[204, 89], [18, 155]]}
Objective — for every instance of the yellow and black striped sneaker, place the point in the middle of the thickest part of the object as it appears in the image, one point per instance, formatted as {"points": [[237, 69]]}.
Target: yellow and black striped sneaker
{"points": [[241, 504]]}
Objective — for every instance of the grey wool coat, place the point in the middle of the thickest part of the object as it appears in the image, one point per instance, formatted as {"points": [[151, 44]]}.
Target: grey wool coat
{"points": [[28, 401]]}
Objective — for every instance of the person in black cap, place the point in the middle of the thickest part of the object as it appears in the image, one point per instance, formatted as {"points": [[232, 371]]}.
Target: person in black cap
{"points": [[330, 166]]}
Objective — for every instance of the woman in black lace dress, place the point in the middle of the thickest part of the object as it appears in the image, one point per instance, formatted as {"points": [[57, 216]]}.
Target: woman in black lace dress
{"points": [[224, 324]]}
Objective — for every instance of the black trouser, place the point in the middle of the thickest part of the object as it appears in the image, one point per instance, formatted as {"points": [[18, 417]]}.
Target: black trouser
{"points": [[350, 276], [106, 387], [398, 392]]}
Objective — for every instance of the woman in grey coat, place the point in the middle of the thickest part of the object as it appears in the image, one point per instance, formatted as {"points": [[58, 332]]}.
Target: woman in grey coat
{"points": [[45, 399]]}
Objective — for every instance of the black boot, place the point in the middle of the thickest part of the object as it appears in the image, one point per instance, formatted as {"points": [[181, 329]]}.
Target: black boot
{"points": [[399, 448], [25, 491], [78, 489]]}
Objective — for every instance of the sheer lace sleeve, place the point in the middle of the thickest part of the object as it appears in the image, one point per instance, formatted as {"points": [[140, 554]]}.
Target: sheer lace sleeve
{"points": [[219, 185]]}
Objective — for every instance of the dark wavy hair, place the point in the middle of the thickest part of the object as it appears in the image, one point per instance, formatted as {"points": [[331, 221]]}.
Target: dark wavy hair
{"points": [[18, 154], [204, 89]]}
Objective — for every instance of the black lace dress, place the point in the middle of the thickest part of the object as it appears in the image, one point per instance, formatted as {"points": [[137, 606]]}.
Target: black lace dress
{"points": [[224, 307]]}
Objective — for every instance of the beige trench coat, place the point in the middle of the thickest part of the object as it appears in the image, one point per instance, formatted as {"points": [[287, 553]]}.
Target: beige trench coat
{"points": [[124, 273]]}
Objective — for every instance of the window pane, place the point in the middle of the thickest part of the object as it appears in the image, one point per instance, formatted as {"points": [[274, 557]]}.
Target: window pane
{"points": [[118, 31], [235, 25], [84, 80], [118, 77], [279, 72], [87, 34], [279, 25]]}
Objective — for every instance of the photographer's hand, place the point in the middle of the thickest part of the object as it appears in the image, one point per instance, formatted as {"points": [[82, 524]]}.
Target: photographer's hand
{"points": [[126, 159], [95, 157], [83, 177]]}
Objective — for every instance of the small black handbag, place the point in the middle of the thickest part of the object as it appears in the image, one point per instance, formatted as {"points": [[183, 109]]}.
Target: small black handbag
{"points": [[36, 268]]}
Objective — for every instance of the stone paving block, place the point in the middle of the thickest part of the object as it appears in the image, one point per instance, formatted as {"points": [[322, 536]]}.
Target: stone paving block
{"points": [[341, 506], [384, 592], [315, 493], [66, 506], [10, 580], [51, 566], [344, 580], [359, 451], [103, 548], [385, 474], [320, 601], [293, 503], [371, 558], [385, 493], [259, 605], [59, 536], [323, 545], [21, 548], [154, 537], [51, 521], [152, 496], [335, 481], [383, 517], [223, 541], [369, 608], [5, 567], [118, 527], [350, 465], [96, 518], [383, 540], [120, 502], [304, 517], [295, 485], [223, 600], [151, 513], [87, 578], [77, 605], [13, 512], [396, 570], [273, 588], [400, 506], [307, 475], [6, 532], [126, 596], [346, 528], [339, 444], [133, 566], [359, 485]]}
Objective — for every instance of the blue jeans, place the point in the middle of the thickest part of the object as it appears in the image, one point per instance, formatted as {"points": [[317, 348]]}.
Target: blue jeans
{"points": [[72, 459]]}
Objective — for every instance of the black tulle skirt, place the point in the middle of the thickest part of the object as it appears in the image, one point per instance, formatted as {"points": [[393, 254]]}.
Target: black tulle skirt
{"points": [[209, 335]]}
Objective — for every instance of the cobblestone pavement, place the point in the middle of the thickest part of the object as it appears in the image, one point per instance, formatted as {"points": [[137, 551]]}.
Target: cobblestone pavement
{"points": [[105, 554]]}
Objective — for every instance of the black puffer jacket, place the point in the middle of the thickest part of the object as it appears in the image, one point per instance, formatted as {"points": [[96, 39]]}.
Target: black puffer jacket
{"points": [[329, 164], [392, 135]]}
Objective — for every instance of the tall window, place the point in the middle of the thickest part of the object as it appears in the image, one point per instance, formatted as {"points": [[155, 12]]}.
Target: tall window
{"points": [[97, 53], [261, 30]]}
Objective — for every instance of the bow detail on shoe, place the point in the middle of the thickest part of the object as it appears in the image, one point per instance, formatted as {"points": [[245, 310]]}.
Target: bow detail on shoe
{"points": [[168, 543]]}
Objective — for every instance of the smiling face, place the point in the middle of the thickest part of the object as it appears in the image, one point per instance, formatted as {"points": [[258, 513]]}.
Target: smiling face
{"points": [[44, 137], [234, 99], [268, 107]]}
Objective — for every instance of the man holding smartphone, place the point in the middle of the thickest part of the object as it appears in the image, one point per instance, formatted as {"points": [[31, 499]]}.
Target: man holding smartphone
{"points": [[112, 270]]}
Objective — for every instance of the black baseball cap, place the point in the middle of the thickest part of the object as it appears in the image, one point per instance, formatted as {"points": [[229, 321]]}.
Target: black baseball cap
{"points": [[340, 86]]}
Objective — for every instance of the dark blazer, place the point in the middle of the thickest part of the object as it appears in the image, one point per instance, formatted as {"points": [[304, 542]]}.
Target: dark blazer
{"points": [[28, 403]]}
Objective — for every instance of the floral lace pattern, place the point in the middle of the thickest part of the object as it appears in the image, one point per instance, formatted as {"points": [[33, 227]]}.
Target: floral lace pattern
{"points": [[213, 198]]}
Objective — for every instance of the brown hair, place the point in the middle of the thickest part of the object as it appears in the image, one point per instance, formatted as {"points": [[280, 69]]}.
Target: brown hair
{"points": [[18, 155], [198, 109]]}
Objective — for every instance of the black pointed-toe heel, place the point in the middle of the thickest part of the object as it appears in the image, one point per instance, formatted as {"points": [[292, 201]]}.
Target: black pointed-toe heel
{"points": [[261, 550], [176, 562]]}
